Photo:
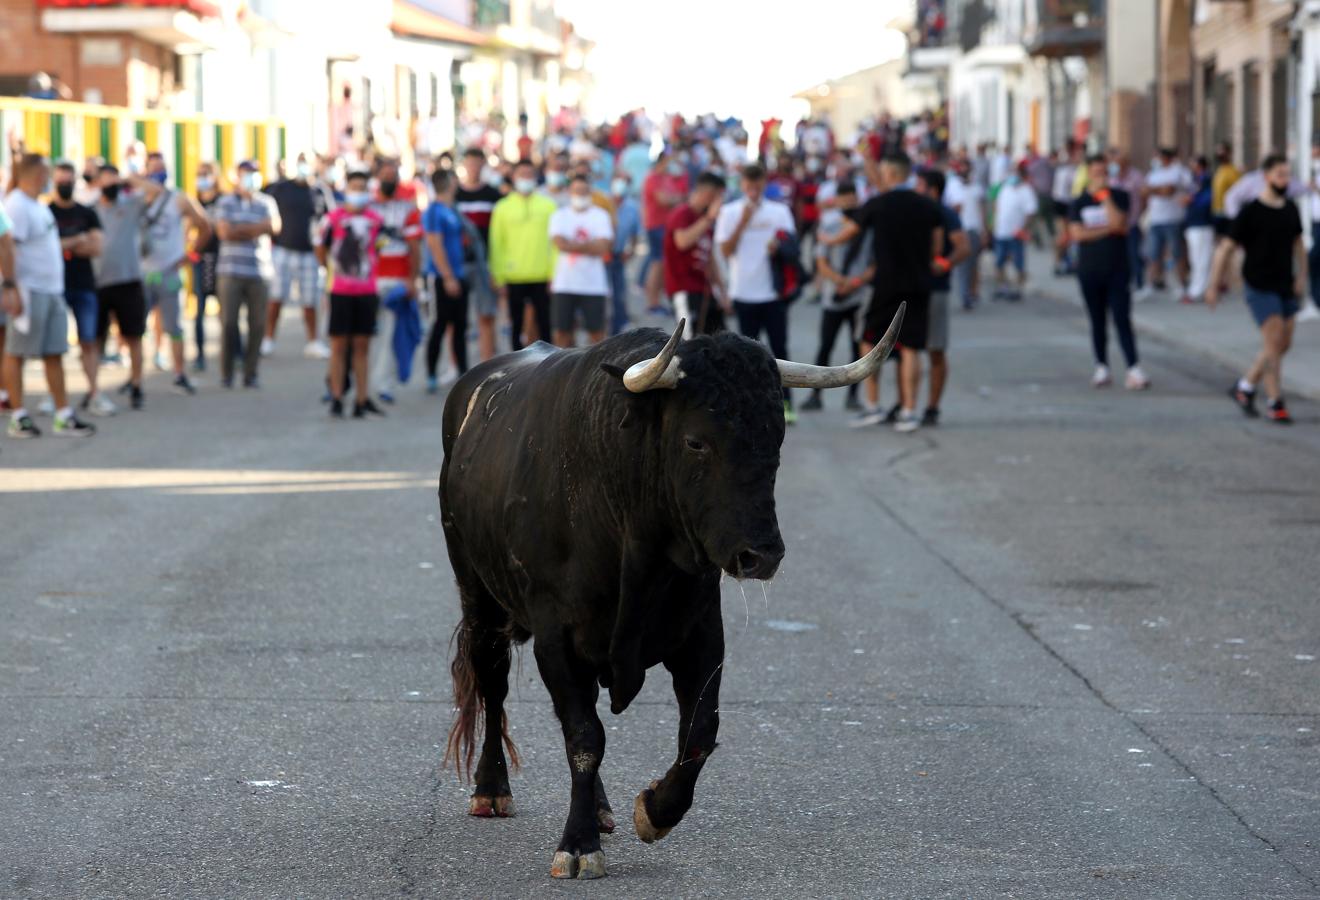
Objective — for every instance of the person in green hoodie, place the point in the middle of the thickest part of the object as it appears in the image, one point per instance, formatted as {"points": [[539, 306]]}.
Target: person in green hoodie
{"points": [[522, 259]]}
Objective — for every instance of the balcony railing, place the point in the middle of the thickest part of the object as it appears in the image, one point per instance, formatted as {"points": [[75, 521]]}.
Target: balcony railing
{"points": [[489, 13], [1067, 27]]}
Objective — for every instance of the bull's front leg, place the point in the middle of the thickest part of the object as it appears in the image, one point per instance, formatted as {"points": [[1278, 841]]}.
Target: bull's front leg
{"points": [[696, 669], [573, 689]]}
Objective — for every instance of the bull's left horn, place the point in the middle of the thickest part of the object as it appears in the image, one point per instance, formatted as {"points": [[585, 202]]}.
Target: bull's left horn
{"points": [[801, 375], [660, 371]]}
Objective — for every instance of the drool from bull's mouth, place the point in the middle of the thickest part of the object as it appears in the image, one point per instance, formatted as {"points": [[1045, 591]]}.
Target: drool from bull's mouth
{"points": [[618, 569]]}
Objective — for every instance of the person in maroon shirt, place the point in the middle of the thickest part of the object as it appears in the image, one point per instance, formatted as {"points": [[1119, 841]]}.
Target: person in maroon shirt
{"points": [[662, 192], [690, 272]]}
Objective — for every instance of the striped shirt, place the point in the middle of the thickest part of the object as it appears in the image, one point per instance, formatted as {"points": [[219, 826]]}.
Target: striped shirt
{"points": [[245, 259]]}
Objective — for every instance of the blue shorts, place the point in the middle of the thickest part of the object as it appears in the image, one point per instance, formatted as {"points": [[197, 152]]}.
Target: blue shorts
{"points": [[84, 307], [655, 244], [1160, 237], [1011, 248], [1264, 304]]}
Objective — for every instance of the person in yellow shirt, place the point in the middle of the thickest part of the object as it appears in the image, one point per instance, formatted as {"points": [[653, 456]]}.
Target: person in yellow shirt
{"points": [[1225, 176], [521, 255]]}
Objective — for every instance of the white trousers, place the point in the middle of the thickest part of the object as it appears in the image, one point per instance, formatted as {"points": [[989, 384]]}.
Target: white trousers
{"points": [[1200, 254]]}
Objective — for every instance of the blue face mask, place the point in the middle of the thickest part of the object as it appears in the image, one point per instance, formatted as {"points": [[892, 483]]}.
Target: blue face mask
{"points": [[159, 177], [357, 199], [1115, 170]]}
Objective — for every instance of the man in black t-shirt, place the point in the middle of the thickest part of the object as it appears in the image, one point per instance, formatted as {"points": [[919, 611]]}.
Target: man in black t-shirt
{"points": [[302, 204], [955, 250], [80, 239], [475, 200], [1098, 225], [1269, 231], [907, 235]]}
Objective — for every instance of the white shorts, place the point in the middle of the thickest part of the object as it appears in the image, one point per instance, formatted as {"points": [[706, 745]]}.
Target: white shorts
{"points": [[295, 267]]}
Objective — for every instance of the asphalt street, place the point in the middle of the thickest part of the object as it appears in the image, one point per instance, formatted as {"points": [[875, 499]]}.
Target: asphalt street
{"points": [[1065, 645]]}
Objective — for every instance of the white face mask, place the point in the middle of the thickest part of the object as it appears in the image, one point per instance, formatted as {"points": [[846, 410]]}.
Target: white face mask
{"points": [[358, 199], [619, 186], [251, 181], [524, 185], [556, 180], [579, 202]]}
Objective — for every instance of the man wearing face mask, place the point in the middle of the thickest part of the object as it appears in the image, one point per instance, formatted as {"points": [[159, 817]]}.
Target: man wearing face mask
{"points": [[628, 227], [1269, 232], [583, 234], [245, 220], [662, 192], [1015, 207], [204, 259], [80, 239], [521, 259], [302, 204], [119, 289], [399, 266], [556, 179], [169, 215], [475, 200]]}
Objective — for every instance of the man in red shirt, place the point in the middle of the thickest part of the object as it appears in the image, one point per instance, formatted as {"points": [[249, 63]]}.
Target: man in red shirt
{"points": [[398, 266], [662, 192], [689, 265]]}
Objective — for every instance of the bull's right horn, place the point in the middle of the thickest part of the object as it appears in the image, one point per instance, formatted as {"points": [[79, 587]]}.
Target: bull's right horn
{"points": [[659, 371], [801, 375]]}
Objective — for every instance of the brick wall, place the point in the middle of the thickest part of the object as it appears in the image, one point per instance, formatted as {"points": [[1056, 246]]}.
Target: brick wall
{"points": [[26, 49]]}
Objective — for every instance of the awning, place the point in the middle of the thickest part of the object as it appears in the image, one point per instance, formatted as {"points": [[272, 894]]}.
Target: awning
{"points": [[412, 21]]}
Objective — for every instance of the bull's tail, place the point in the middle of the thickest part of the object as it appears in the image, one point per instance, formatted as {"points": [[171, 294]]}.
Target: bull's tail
{"points": [[469, 704]]}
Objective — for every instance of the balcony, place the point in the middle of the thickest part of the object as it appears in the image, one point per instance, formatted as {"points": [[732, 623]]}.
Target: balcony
{"points": [[1067, 28], [490, 13], [181, 25]]}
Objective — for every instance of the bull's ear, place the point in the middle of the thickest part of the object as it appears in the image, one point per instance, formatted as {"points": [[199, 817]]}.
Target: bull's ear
{"points": [[612, 370]]}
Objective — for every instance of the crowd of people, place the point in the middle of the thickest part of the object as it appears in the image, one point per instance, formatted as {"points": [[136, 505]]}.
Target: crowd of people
{"points": [[386, 265]]}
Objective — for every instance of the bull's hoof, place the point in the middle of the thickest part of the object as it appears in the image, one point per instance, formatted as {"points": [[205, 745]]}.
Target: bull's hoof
{"points": [[605, 820], [648, 833], [484, 807], [575, 865]]}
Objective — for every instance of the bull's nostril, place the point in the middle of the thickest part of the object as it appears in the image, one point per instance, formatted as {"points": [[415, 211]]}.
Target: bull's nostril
{"points": [[749, 560]]}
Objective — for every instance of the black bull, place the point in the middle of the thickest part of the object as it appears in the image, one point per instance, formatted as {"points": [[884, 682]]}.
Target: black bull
{"points": [[592, 506]]}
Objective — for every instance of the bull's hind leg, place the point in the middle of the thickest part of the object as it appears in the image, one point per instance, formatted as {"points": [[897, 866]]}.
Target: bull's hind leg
{"points": [[573, 689], [491, 795], [696, 670]]}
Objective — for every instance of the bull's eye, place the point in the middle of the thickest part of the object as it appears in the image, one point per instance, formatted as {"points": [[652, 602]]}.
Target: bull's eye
{"points": [[694, 445]]}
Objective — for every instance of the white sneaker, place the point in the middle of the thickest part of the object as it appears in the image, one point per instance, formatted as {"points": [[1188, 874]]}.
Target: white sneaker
{"points": [[1101, 377], [908, 422], [1143, 294], [102, 405], [449, 377], [46, 407], [267, 346], [867, 418], [316, 350], [1308, 313], [1136, 379]]}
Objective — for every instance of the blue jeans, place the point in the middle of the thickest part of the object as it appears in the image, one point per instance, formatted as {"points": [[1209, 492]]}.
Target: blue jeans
{"points": [[1313, 263], [655, 247], [84, 306], [1136, 261], [614, 269]]}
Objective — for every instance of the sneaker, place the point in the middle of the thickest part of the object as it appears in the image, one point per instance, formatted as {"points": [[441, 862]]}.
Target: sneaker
{"points": [[199, 364], [1101, 377], [267, 346], [1278, 413], [316, 350], [450, 376], [101, 405], [813, 403], [1136, 380], [336, 409], [867, 418], [159, 361], [790, 417], [125, 388], [386, 398], [359, 410], [892, 415], [1309, 313], [907, 422], [227, 383], [183, 386], [23, 428], [432, 384], [1143, 294], [852, 404], [135, 398], [72, 427], [252, 383], [368, 406], [112, 359], [1246, 401], [930, 418], [46, 407]]}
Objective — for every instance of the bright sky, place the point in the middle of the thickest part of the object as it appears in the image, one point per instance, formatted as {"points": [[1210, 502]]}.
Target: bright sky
{"points": [[732, 57]]}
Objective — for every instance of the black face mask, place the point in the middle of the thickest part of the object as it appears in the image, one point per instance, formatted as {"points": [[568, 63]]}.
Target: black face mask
{"points": [[89, 177], [387, 188], [110, 192], [65, 190], [1279, 192]]}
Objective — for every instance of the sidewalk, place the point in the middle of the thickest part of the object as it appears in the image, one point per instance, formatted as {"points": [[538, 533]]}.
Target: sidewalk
{"points": [[1227, 335]]}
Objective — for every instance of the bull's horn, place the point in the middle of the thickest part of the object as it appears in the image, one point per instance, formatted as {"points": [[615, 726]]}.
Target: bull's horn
{"points": [[801, 375], [660, 371]]}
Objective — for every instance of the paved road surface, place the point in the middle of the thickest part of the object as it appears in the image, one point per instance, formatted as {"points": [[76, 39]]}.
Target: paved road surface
{"points": [[1065, 646]]}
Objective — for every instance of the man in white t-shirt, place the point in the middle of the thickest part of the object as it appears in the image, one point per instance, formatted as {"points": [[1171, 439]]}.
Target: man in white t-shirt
{"points": [[583, 234], [966, 198], [1167, 188], [1015, 206], [33, 298], [747, 233]]}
